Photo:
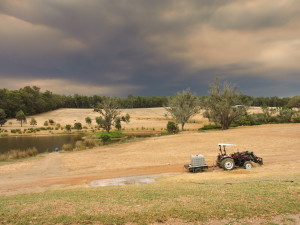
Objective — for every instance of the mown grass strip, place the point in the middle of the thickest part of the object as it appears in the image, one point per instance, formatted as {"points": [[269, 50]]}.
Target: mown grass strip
{"points": [[142, 204]]}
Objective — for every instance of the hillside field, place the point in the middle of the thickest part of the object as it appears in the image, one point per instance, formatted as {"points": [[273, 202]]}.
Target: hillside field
{"points": [[55, 187]]}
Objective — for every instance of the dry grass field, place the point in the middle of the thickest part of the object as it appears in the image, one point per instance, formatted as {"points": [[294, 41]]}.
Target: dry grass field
{"points": [[69, 174], [143, 118]]}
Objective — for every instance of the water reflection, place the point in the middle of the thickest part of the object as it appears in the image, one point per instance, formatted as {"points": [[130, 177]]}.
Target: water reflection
{"points": [[41, 143]]}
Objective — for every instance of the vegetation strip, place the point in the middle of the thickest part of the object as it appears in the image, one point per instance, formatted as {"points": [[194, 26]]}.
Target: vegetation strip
{"points": [[156, 202]]}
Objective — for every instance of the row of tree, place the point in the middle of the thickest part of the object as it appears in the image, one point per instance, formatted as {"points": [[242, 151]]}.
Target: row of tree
{"points": [[31, 100], [224, 106]]}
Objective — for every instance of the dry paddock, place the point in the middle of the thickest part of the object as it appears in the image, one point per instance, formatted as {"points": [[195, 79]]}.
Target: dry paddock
{"points": [[277, 144]]}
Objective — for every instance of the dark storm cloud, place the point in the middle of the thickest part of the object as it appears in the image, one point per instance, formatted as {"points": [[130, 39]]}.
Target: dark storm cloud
{"points": [[145, 47]]}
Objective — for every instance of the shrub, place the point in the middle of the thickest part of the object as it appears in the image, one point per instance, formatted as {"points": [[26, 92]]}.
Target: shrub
{"points": [[68, 127], [51, 121], [46, 123], [211, 127], [80, 145], [296, 119], [115, 134], [90, 143], [118, 123], [105, 138], [77, 126], [67, 147], [172, 127], [18, 154]]}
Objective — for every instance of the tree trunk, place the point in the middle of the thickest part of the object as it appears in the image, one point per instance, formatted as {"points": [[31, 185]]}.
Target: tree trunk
{"points": [[182, 126]]}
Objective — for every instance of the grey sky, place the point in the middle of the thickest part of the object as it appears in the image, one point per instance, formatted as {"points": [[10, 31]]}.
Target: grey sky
{"points": [[121, 47]]}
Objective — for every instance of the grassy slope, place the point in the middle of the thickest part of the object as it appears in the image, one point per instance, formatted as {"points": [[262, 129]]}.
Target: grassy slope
{"points": [[184, 197]]}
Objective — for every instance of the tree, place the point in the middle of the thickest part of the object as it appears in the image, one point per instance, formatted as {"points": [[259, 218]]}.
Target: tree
{"points": [[183, 106], [88, 120], [223, 104], [109, 111], [294, 102], [77, 126], [68, 127], [33, 121], [21, 117], [3, 119]]}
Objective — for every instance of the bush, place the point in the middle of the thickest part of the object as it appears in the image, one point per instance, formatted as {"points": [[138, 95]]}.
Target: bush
{"points": [[115, 134], [211, 127], [77, 126], [18, 154], [80, 145], [105, 138], [51, 121], [68, 127], [296, 119], [90, 143], [67, 147], [46, 123], [172, 127]]}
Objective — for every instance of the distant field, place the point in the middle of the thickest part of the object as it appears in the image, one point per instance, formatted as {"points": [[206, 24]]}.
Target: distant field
{"points": [[144, 118]]}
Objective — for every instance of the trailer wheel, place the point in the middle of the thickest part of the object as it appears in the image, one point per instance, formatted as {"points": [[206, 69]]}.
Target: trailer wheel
{"points": [[227, 164], [198, 170], [247, 165]]}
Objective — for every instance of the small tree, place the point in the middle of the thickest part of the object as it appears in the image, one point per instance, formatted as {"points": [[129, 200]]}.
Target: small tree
{"points": [[222, 104], [88, 120], [21, 117], [68, 127], [3, 119], [172, 127], [51, 121], [118, 123], [126, 118], [46, 123], [77, 126], [33, 122], [109, 110], [183, 106]]}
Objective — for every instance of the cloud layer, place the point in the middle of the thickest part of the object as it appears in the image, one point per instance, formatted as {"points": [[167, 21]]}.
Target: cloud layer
{"points": [[150, 47]]}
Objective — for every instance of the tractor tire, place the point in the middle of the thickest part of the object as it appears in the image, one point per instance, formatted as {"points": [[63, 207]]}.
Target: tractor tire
{"points": [[247, 165], [228, 164]]}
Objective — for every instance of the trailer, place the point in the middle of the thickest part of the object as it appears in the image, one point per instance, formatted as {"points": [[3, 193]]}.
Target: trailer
{"points": [[197, 164]]}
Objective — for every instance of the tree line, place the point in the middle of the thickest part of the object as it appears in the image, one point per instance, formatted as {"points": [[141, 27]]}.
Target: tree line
{"points": [[31, 100]]}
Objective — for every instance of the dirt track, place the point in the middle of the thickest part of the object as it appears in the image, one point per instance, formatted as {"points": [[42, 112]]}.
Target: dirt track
{"points": [[277, 144]]}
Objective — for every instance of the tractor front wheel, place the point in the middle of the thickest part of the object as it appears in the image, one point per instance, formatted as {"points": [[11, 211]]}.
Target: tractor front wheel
{"points": [[227, 164], [247, 165]]}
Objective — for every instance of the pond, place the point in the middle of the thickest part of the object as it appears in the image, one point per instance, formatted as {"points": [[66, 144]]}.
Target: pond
{"points": [[41, 143]]}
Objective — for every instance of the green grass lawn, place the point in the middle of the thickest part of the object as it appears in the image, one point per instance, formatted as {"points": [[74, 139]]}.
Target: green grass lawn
{"points": [[184, 199]]}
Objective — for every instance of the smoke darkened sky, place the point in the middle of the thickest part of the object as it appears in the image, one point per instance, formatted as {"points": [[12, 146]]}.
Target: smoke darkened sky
{"points": [[143, 47]]}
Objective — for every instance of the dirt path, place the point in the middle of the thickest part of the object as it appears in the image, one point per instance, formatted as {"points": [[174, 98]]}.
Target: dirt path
{"points": [[277, 144]]}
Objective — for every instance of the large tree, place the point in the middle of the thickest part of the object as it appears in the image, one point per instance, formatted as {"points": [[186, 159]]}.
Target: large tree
{"points": [[183, 106], [223, 104], [3, 119], [21, 117], [109, 111]]}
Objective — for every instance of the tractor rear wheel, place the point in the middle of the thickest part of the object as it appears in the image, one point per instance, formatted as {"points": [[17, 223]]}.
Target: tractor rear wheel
{"points": [[227, 164], [247, 165]]}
